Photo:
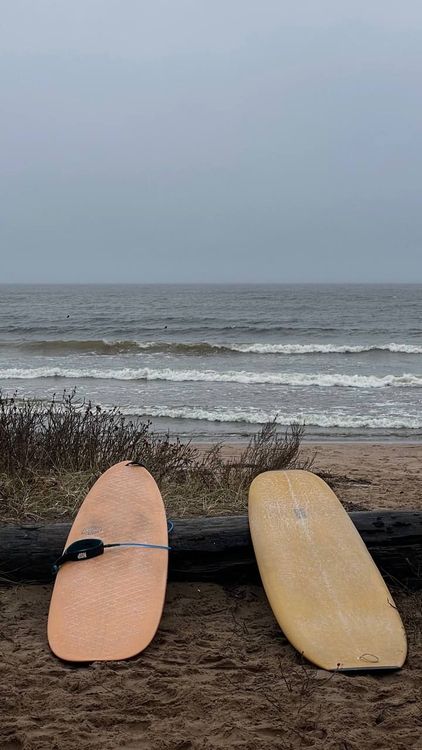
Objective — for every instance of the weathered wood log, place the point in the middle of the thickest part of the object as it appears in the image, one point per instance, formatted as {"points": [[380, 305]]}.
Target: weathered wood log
{"points": [[220, 548]]}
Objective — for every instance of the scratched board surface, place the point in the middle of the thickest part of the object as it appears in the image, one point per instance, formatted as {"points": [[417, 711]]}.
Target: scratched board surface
{"points": [[109, 607], [322, 584]]}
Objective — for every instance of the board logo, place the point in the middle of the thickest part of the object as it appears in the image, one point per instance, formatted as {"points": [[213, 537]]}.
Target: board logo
{"points": [[92, 530], [370, 658]]}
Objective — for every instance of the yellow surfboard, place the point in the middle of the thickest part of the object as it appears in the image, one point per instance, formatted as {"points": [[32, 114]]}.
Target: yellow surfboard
{"points": [[109, 606], [324, 588]]}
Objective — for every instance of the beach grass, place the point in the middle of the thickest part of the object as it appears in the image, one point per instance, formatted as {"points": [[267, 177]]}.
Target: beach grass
{"points": [[52, 452]]}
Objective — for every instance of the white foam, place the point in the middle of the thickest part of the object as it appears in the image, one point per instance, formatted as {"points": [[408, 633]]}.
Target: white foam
{"points": [[258, 416], [323, 380], [312, 348], [325, 348]]}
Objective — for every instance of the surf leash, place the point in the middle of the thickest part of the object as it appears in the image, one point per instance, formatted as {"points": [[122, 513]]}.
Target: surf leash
{"points": [[85, 549]]}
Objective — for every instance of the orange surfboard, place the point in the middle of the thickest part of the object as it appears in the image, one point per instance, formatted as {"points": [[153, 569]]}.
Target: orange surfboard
{"points": [[321, 582], [109, 606]]}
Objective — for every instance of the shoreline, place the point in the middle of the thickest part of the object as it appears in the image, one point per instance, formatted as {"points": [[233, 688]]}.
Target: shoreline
{"points": [[329, 441], [305, 441]]}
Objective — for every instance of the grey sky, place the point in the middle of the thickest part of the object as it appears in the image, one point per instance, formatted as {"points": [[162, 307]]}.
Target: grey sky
{"points": [[226, 140]]}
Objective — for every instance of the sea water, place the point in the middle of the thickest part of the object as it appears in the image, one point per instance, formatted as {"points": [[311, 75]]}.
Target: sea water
{"points": [[212, 362]]}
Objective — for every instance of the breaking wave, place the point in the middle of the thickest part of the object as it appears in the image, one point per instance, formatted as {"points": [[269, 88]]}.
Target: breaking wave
{"points": [[257, 416], [64, 347], [326, 348], [323, 380]]}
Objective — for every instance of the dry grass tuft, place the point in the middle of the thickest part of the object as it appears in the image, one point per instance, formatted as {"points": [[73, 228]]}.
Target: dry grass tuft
{"points": [[52, 453], [215, 485]]}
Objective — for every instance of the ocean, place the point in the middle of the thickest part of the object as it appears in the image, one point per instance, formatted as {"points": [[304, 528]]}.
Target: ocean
{"points": [[214, 362]]}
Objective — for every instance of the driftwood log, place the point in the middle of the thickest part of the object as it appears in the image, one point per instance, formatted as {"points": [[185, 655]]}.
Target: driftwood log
{"points": [[220, 548]]}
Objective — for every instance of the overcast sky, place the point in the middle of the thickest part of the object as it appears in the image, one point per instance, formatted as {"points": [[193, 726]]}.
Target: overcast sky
{"points": [[218, 140]]}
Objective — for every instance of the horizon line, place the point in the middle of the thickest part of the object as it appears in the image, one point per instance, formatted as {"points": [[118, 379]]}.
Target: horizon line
{"points": [[210, 283]]}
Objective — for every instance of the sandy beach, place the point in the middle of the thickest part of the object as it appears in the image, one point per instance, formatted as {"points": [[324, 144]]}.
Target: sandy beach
{"points": [[366, 476], [219, 673]]}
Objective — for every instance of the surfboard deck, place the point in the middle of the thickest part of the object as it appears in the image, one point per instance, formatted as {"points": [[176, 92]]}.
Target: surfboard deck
{"points": [[109, 607], [321, 582]]}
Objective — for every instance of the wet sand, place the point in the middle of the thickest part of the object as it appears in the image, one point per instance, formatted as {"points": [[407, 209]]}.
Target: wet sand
{"points": [[219, 673]]}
